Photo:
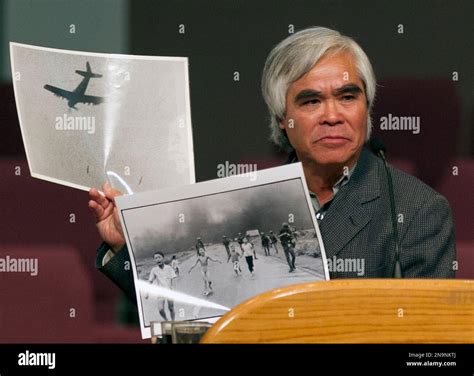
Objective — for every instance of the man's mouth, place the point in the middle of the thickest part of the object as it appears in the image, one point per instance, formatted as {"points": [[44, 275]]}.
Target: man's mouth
{"points": [[332, 140]]}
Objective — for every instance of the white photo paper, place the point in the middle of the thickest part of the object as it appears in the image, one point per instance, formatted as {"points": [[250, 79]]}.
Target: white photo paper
{"points": [[198, 250], [87, 118]]}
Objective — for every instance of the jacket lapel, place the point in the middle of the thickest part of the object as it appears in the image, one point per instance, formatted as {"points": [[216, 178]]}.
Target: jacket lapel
{"points": [[347, 216]]}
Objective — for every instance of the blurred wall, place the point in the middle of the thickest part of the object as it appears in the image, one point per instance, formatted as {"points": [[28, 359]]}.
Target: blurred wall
{"points": [[227, 36]]}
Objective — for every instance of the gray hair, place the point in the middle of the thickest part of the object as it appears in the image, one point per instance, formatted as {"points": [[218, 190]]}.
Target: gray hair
{"points": [[294, 57]]}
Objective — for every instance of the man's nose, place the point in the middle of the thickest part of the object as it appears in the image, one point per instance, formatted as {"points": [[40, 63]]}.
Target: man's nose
{"points": [[331, 114]]}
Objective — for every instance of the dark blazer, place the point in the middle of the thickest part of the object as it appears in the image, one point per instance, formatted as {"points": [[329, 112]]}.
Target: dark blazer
{"points": [[358, 226]]}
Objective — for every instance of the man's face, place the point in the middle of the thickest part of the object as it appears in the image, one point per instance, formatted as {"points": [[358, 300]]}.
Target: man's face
{"points": [[328, 108], [158, 259]]}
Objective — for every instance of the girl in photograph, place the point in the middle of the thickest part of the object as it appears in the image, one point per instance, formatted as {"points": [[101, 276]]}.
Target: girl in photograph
{"points": [[203, 259]]}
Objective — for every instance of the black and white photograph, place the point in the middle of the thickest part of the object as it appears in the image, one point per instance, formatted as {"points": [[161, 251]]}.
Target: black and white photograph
{"points": [[199, 250], [87, 118]]}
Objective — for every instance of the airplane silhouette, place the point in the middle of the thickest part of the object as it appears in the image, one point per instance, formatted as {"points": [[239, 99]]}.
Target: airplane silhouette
{"points": [[78, 95]]}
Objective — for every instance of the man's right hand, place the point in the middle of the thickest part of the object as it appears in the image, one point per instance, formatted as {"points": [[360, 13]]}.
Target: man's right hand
{"points": [[106, 215]]}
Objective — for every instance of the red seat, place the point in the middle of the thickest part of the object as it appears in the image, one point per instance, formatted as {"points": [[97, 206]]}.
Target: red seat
{"points": [[38, 211], [458, 190], [465, 256], [56, 305]]}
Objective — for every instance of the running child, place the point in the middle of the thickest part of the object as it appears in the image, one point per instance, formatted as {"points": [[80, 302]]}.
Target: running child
{"points": [[203, 259]]}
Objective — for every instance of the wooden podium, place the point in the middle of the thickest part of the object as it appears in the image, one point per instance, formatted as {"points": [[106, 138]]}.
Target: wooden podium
{"points": [[354, 311]]}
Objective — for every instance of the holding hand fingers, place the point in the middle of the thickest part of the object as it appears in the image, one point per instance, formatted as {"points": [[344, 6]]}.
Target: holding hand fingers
{"points": [[106, 215]]}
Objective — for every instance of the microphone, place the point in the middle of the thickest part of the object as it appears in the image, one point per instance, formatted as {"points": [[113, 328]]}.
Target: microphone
{"points": [[378, 148]]}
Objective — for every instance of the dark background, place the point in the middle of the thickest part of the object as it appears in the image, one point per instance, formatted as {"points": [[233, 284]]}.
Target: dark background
{"points": [[230, 123]]}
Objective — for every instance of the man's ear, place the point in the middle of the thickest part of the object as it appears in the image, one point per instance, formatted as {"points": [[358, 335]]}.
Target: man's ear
{"points": [[282, 123]]}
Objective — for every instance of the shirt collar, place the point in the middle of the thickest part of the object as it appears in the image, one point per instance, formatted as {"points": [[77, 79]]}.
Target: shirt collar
{"points": [[343, 180]]}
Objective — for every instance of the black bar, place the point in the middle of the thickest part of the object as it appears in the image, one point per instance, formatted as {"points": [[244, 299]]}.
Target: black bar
{"points": [[316, 359]]}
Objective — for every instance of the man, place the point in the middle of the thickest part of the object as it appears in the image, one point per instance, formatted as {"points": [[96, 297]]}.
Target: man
{"points": [[249, 240], [265, 243], [248, 254], [319, 87], [203, 259], [162, 275], [274, 240], [240, 240], [288, 242], [226, 243]]}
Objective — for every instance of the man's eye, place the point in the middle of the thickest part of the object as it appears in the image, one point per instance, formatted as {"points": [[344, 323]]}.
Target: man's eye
{"points": [[311, 101], [348, 97]]}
